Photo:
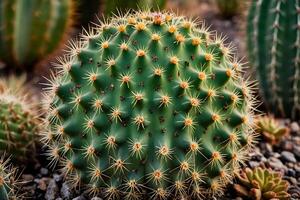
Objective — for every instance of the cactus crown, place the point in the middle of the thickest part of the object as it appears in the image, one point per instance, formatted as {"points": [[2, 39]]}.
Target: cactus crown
{"points": [[262, 184], [270, 129], [18, 120], [149, 105]]}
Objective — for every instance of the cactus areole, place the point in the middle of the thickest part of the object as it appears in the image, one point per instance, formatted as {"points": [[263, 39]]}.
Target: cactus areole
{"points": [[149, 105]]}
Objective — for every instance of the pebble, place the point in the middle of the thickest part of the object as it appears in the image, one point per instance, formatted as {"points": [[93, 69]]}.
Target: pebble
{"points": [[52, 190], [253, 164], [65, 191], [275, 163], [295, 127], [79, 198], [44, 171], [96, 198], [288, 156], [296, 151]]}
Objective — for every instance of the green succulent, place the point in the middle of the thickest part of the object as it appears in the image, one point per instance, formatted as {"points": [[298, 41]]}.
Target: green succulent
{"points": [[273, 34], [19, 122], [30, 30], [149, 106], [272, 131], [262, 184]]}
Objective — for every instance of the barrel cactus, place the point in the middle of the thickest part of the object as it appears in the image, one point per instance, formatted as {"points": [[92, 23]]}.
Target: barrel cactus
{"points": [[262, 184], [8, 181], [149, 105], [19, 122], [274, 47], [30, 30]]}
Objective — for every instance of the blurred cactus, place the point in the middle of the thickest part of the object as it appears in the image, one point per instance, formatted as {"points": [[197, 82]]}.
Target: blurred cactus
{"points": [[111, 7], [274, 50], [270, 129], [229, 8], [18, 120], [149, 106], [262, 184], [8, 181], [32, 29]]}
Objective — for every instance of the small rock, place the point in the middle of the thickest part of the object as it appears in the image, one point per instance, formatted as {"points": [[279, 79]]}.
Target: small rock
{"points": [[288, 156], [296, 151], [57, 177], [59, 198], [253, 164], [27, 177], [44, 171], [79, 198], [65, 191], [42, 183], [96, 198], [291, 172], [295, 127], [275, 163], [287, 145], [52, 190]]}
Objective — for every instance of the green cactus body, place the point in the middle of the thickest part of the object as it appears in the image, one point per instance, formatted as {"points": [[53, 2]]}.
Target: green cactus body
{"points": [[8, 181], [229, 8], [111, 7], [274, 47], [18, 124], [32, 29], [262, 184], [149, 106]]}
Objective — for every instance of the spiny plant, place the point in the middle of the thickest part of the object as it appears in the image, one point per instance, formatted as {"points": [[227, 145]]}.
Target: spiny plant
{"points": [[8, 181], [262, 184], [30, 30], [112, 6], [274, 48], [19, 122], [272, 131], [150, 105], [229, 8]]}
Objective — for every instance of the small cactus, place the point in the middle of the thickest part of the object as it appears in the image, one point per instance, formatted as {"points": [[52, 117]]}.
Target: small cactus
{"points": [[32, 29], [274, 50], [271, 130], [19, 123], [149, 106], [8, 181], [262, 184]]}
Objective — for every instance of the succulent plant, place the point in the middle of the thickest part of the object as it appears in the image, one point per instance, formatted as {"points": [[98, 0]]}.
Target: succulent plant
{"points": [[149, 105], [229, 8], [262, 184], [30, 30], [272, 131], [19, 122], [274, 50], [8, 181]]}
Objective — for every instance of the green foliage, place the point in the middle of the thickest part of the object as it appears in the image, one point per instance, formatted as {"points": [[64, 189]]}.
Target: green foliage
{"points": [[115, 6], [272, 131], [8, 181], [149, 106], [274, 47], [262, 184], [229, 8], [32, 29], [18, 120]]}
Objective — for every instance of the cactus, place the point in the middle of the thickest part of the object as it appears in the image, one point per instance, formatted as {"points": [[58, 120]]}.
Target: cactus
{"points": [[8, 181], [19, 122], [272, 131], [113, 6], [262, 184], [274, 50], [30, 30], [149, 105], [229, 8]]}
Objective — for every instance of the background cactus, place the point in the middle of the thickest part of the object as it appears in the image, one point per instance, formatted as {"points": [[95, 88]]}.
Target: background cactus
{"points": [[229, 8], [271, 130], [274, 47], [8, 181], [30, 30], [19, 122], [262, 184], [150, 106]]}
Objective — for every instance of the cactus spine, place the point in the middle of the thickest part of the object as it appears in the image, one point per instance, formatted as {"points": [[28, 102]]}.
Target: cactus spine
{"points": [[32, 29], [18, 119], [150, 106], [274, 47]]}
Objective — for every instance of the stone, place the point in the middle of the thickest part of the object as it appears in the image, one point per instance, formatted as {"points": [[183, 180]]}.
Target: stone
{"points": [[79, 198], [295, 127], [52, 190], [275, 163], [44, 171], [65, 191], [288, 156]]}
